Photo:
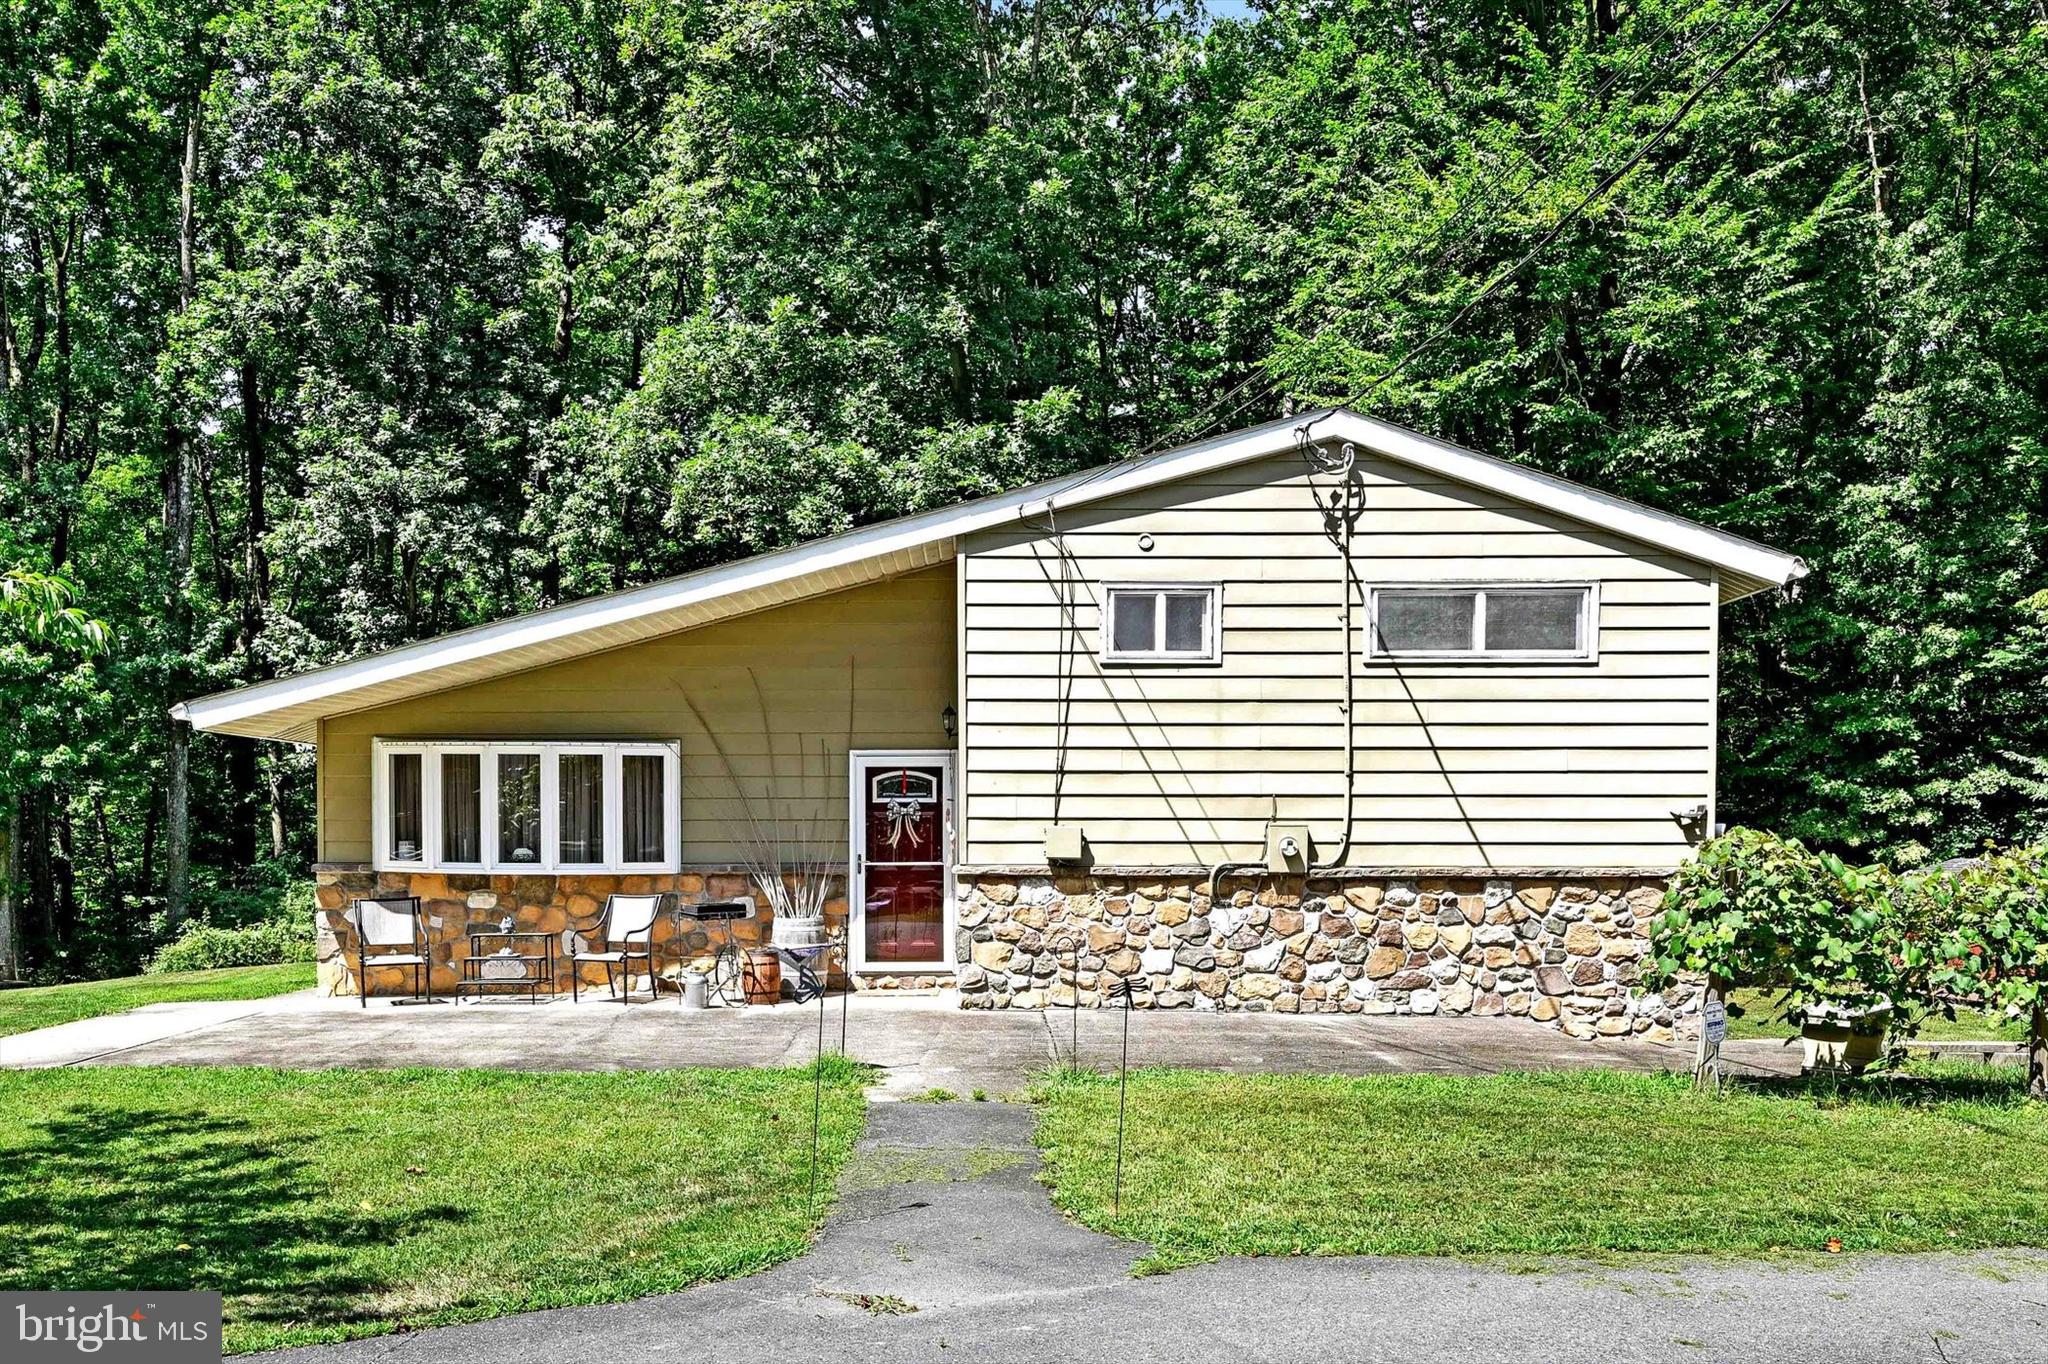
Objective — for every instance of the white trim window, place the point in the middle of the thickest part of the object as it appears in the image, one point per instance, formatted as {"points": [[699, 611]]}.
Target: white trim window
{"points": [[1162, 622], [529, 807], [1485, 621]]}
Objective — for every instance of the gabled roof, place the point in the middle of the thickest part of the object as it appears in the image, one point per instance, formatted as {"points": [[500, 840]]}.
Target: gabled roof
{"points": [[291, 708]]}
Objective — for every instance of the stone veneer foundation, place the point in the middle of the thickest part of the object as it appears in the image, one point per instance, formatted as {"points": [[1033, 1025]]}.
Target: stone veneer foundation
{"points": [[1562, 950], [1566, 951], [456, 902]]}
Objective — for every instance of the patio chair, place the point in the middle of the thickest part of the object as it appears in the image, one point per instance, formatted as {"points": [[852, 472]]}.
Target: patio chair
{"points": [[628, 934], [382, 925]]}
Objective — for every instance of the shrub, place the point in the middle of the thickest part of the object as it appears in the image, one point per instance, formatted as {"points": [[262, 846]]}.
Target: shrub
{"points": [[205, 947], [1983, 938], [1753, 909]]}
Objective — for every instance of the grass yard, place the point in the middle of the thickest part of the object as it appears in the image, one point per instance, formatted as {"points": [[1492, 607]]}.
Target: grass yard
{"points": [[46, 1006], [334, 1204], [1562, 1163], [1969, 1025]]}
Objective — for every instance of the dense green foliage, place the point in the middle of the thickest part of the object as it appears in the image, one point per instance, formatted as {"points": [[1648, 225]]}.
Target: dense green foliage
{"points": [[1214, 1165], [328, 327], [209, 947], [331, 1205], [1985, 938]]}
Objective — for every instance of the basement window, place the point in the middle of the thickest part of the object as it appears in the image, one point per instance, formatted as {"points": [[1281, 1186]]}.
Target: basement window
{"points": [[1162, 623], [1507, 621], [528, 807]]}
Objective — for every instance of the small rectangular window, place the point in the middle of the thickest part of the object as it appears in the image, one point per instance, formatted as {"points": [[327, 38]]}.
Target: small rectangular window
{"points": [[462, 811], [1163, 623], [643, 808], [519, 808], [1494, 621], [580, 786], [406, 802]]}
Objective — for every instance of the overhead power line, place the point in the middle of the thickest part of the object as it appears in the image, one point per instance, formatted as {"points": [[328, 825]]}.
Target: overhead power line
{"points": [[1235, 400], [1225, 408], [1599, 191]]}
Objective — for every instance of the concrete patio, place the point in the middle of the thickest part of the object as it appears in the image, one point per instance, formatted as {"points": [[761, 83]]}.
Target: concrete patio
{"points": [[920, 1042]]}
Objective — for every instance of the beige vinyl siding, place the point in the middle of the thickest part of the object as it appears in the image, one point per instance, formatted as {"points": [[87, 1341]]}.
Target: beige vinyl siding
{"points": [[894, 639], [1458, 764]]}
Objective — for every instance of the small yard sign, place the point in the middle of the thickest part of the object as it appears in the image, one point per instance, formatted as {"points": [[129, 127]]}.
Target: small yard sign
{"points": [[1714, 1017]]}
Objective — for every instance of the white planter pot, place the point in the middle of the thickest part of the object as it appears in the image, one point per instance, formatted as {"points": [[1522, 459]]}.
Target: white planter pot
{"points": [[1838, 1038]]}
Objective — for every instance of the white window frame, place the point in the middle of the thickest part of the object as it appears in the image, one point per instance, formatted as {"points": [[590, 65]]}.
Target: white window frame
{"points": [[1589, 624], [1212, 651], [550, 752]]}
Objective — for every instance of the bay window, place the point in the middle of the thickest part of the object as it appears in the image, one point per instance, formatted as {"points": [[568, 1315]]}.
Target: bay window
{"points": [[525, 806]]}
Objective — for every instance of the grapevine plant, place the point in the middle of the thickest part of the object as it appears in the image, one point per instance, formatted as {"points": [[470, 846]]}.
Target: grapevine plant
{"points": [[1984, 940], [1753, 909]]}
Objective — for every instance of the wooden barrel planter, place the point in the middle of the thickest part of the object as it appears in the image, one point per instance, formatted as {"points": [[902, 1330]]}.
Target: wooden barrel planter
{"points": [[762, 976]]}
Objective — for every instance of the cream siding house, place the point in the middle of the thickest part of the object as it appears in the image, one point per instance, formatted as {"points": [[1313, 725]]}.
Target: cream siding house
{"points": [[1320, 716]]}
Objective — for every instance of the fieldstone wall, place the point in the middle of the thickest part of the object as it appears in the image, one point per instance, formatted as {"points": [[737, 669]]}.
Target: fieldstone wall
{"points": [[557, 905], [1563, 951]]}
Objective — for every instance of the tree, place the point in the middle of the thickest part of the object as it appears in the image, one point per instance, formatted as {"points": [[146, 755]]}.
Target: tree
{"points": [[37, 609]]}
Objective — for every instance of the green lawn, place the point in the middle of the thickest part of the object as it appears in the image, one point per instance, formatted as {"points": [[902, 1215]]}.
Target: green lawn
{"points": [[1760, 1008], [333, 1204], [1577, 1163], [48, 1005]]}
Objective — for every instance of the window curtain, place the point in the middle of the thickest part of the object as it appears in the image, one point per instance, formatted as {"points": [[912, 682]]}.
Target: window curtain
{"points": [[644, 830], [405, 808], [462, 810], [581, 831], [519, 807]]}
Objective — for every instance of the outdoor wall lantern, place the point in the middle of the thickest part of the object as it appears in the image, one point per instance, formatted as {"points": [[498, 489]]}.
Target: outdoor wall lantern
{"points": [[950, 718]]}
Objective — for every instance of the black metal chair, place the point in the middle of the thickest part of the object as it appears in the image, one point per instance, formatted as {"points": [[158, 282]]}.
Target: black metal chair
{"points": [[388, 922], [628, 934]]}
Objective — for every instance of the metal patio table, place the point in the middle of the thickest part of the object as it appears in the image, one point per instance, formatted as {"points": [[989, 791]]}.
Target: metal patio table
{"points": [[527, 962]]}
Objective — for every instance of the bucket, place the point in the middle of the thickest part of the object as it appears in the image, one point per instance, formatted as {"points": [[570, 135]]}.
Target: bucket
{"points": [[696, 991], [762, 976]]}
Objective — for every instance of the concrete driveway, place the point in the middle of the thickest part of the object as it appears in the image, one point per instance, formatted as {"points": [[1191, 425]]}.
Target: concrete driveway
{"points": [[920, 1042]]}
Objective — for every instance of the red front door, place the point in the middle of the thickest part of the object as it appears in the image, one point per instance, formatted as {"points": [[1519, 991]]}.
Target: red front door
{"points": [[902, 828]]}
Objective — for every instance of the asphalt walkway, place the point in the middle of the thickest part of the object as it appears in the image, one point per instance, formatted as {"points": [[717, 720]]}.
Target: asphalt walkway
{"points": [[944, 1246]]}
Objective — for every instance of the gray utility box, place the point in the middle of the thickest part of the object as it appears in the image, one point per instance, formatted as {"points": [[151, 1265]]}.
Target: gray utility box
{"points": [[1064, 843], [1288, 848]]}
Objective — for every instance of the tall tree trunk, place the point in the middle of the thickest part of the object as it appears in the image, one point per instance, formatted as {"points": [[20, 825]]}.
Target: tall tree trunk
{"points": [[275, 775], [178, 543], [10, 951], [116, 896], [244, 758], [64, 875], [2037, 1055]]}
